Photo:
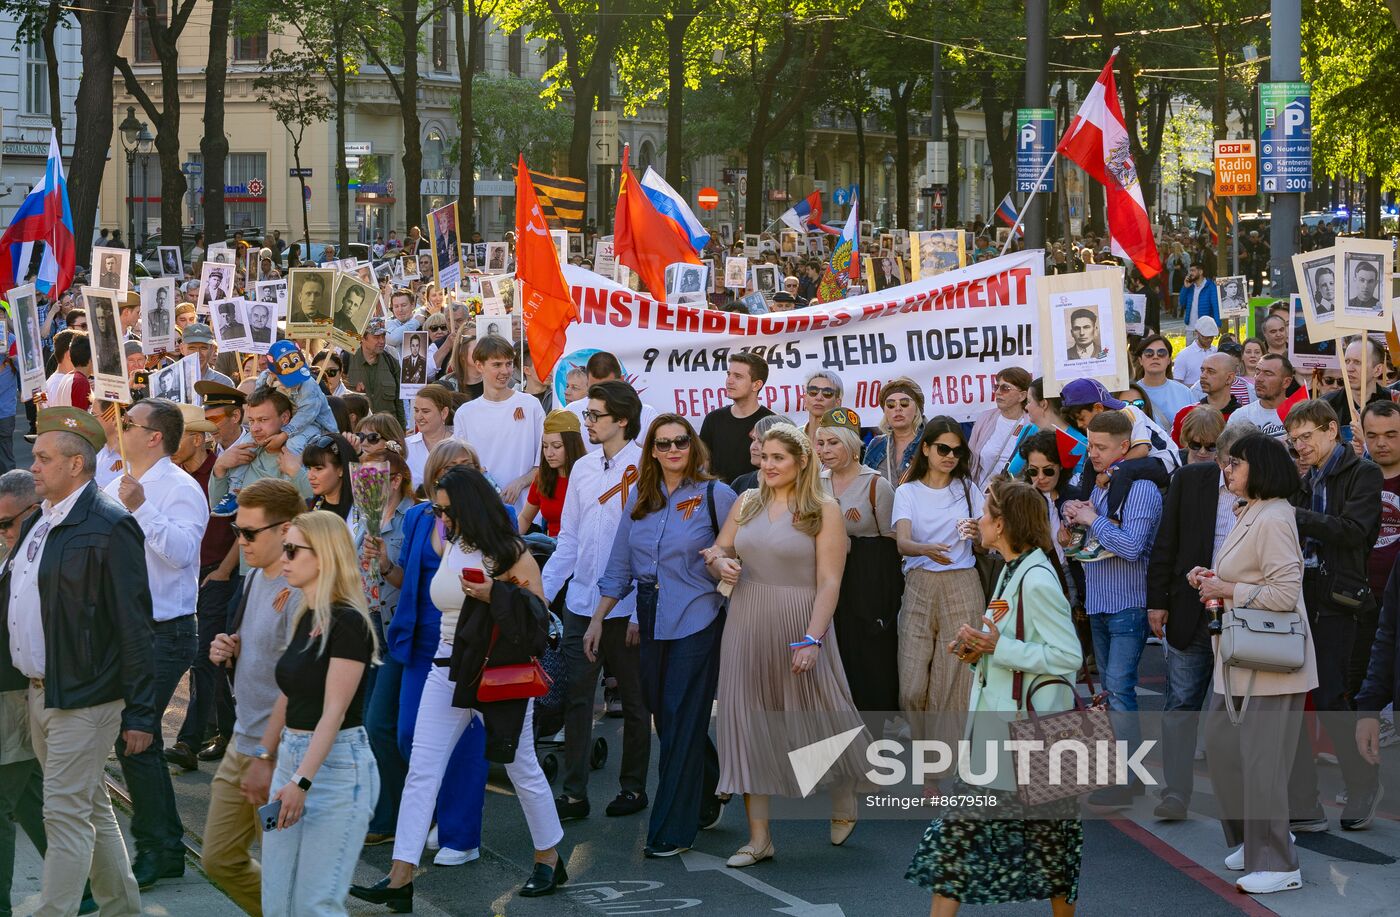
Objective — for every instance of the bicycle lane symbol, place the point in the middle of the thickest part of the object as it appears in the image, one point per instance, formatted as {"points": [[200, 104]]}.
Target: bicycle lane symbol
{"points": [[616, 897]]}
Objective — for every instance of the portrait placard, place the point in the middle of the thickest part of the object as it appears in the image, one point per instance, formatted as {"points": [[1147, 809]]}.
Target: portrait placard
{"points": [[1362, 266], [109, 363], [1082, 331], [110, 269], [157, 313], [24, 313]]}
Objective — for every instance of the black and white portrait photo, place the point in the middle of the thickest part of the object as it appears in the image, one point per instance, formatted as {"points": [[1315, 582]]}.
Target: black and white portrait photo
{"points": [[111, 268], [353, 301], [1363, 273], [215, 283], [157, 313], [171, 264], [262, 325], [102, 330], [496, 254], [686, 283], [765, 279], [1363, 283], [308, 299], [1234, 296], [230, 324], [415, 358], [167, 382]]}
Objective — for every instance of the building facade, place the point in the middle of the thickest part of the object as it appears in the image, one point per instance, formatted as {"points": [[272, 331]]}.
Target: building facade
{"points": [[26, 109]]}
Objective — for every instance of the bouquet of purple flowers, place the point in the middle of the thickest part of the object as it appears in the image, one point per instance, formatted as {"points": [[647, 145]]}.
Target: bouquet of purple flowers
{"points": [[369, 484]]}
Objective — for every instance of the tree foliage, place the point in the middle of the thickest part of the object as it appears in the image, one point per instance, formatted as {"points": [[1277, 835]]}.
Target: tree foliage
{"points": [[510, 118], [1351, 55]]}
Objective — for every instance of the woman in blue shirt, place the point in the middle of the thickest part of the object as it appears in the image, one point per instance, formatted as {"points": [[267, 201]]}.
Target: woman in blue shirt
{"points": [[673, 515]]}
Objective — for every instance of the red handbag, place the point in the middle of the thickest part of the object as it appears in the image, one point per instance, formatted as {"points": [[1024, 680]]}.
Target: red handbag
{"points": [[513, 682]]}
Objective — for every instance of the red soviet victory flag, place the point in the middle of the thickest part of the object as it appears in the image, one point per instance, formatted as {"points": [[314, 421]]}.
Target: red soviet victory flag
{"points": [[1097, 139], [547, 308], [643, 239]]}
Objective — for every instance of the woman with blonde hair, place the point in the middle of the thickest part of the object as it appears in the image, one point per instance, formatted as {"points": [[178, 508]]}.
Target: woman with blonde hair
{"points": [[900, 428], [326, 777], [782, 550]]}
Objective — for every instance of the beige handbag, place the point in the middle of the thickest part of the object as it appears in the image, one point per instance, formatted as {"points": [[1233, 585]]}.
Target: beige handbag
{"points": [[1260, 641]]}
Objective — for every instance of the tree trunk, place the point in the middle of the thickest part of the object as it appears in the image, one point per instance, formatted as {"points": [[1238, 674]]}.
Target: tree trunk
{"points": [[899, 102], [213, 146], [51, 58], [676, 28], [342, 174], [412, 123], [859, 117], [1220, 113], [466, 147], [1000, 150], [954, 150], [1096, 206], [1373, 207], [101, 26]]}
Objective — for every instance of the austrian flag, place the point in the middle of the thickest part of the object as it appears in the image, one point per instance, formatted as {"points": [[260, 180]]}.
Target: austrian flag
{"points": [[1097, 140]]}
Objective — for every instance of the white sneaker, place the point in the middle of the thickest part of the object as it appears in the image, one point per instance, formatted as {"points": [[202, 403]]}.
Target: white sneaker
{"points": [[1235, 861], [449, 857], [433, 839], [1154, 641], [1389, 735], [1263, 883], [1326, 757]]}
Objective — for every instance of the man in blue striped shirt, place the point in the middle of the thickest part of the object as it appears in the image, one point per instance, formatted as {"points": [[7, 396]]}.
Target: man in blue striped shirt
{"points": [[1116, 587]]}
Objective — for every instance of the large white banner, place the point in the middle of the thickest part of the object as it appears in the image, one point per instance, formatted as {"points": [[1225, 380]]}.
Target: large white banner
{"points": [[951, 333]]}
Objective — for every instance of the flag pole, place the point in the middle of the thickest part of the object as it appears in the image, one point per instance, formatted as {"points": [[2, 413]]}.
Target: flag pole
{"points": [[1026, 206]]}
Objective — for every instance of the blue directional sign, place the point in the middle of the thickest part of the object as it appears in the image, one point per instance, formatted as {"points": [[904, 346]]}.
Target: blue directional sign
{"points": [[1035, 145], [1285, 138]]}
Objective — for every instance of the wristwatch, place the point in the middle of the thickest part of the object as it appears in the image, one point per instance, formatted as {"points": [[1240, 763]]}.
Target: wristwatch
{"points": [[302, 782], [262, 753]]}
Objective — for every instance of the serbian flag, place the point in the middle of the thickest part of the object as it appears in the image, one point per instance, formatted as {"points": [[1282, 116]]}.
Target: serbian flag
{"points": [[672, 206], [547, 308], [1097, 140], [805, 214], [1299, 394], [644, 239], [44, 216]]}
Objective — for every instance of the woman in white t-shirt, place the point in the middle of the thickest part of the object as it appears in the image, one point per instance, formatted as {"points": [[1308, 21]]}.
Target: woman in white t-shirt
{"points": [[942, 591], [996, 432], [432, 414]]}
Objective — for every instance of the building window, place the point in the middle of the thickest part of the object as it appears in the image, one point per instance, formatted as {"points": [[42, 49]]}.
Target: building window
{"points": [[552, 55], [514, 52], [244, 209], [248, 45], [145, 44], [440, 42], [36, 79]]}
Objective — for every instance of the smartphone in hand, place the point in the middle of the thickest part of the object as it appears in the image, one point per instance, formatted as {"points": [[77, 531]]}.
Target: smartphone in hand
{"points": [[268, 814]]}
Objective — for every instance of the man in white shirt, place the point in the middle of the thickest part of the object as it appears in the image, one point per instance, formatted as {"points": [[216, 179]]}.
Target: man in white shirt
{"points": [[503, 425], [598, 489], [1187, 366], [172, 511], [604, 367], [1273, 385]]}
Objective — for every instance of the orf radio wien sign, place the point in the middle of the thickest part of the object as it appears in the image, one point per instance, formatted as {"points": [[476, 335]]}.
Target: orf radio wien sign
{"points": [[1236, 169]]}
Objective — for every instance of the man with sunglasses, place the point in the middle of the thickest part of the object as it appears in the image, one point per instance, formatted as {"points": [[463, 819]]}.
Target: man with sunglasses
{"points": [[173, 513], [219, 581], [84, 642], [247, 648], [1274, 388]]}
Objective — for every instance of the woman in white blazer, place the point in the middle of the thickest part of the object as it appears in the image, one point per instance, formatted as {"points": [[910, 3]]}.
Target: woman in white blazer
{"points": [[1260, 565], [962, 858]]}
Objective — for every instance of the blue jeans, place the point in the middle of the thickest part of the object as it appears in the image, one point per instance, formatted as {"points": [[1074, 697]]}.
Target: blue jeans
{"points": [[392, 714], [155, 822], [306, 869], [678, 683], [1189, 674], [210, 692], [1118, 642]]}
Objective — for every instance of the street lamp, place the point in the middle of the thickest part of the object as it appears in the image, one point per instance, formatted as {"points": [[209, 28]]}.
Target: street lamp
{"points": [[133, 134], [887, 162]]}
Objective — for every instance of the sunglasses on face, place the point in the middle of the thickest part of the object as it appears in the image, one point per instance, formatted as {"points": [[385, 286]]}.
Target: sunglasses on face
{"points": [[946, 450], [1200, 447], [1156, 352], [290, 550], [679, 443], [331, 373], [814, 391], [9, 523], [1139, 403], [440, 511], [370, 438], [249, 534], [1049, 471], [1331, 380]]}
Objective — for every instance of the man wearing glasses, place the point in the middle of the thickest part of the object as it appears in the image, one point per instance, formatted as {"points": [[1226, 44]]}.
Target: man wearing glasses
{"points": [[1339, 519], [219, 580], [248, 648], [171, 510], [85, 645]]}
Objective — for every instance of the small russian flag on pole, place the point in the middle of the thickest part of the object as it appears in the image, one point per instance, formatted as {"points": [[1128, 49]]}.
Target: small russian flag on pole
{"points": [[1007, 213]]}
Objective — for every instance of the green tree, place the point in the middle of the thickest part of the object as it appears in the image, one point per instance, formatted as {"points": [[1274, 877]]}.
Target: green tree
{"points": [[510, 118]]}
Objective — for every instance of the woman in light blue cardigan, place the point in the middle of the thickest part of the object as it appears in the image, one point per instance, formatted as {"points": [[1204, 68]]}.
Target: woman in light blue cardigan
{"points": [[963, 856]]}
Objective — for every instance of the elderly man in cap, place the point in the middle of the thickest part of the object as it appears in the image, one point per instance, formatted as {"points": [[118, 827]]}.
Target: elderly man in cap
{"points": [[171, 510], [374, 373], [197, 338], [129, 315], [219, 582], [1186, 368], [78, 613]]}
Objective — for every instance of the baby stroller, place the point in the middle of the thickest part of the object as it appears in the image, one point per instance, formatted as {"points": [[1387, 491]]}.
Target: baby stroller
{"points": [[549, 710]]}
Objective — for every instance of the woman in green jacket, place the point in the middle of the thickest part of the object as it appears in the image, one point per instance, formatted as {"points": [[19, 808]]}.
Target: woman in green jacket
{"points": [[963, 856]]}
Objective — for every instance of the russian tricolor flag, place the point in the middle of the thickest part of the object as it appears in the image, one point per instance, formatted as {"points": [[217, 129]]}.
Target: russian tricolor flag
{"points": [[44, 216], [672, 206], [1007, 213]]}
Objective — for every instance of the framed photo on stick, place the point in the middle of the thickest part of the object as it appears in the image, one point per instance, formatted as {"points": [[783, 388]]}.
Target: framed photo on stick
{"points": [[1304, 350], [1081, 332], [1363, 300]]}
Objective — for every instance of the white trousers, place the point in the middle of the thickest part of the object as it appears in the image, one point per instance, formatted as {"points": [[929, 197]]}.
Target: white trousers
{"points": [[438, 728]]}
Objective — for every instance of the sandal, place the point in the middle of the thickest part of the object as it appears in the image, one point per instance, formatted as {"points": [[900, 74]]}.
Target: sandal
{"points": [[841, 829], [747, 856]]}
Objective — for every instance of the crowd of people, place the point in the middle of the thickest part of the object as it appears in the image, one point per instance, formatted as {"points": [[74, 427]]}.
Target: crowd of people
{"points": [[799, 571]]}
